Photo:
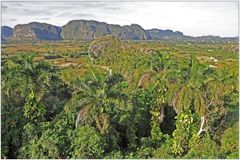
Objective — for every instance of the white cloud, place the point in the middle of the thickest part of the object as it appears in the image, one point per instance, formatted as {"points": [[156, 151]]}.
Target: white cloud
{"points": [[192, 18]]}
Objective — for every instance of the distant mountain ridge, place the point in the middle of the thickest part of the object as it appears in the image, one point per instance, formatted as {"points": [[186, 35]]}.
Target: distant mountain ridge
{"points": [[86, 30], [89, 30], [36, 31], [164, 34], [6, 33]]}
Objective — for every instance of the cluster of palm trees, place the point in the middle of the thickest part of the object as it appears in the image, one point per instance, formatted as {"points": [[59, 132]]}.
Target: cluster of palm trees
{"points": [[33, 94]]}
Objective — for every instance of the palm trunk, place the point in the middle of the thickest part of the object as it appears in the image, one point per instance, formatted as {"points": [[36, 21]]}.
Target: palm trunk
{"points": [[201, 127]]}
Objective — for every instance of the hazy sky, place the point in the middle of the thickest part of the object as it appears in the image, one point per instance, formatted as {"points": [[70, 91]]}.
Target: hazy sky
{"points": [[191, 18]]}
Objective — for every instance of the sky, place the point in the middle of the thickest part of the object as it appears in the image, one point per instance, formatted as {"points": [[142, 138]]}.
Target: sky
{"points": [[191, 18]]}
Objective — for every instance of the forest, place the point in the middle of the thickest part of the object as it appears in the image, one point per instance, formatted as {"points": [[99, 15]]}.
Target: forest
{"points": [[119, 99]]}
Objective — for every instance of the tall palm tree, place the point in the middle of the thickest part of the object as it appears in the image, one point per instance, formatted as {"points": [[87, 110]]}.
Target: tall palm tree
{"points": [[160, 67], [221, 92], [98, 99], [189, 93], [160, 91]]}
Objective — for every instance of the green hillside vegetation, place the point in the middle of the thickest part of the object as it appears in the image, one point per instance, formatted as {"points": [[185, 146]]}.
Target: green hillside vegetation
{"points": [[116, 99]]}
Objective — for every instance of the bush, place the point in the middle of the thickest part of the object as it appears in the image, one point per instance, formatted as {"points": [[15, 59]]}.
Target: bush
{"points": [[203, 147], [230, 142], [88, 143]]}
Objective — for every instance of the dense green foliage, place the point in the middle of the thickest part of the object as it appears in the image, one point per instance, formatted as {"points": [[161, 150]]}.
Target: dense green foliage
{"points": [[183, 109]]}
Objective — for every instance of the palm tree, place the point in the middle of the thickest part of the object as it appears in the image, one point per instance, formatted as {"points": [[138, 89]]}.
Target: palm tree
{"points": [[189, 92], [160, 90], [160, 67], [221, 92], [98, 99]]}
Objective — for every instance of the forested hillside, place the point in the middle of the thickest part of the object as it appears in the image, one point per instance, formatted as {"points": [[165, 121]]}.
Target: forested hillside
{"points": [[110, 98]]}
